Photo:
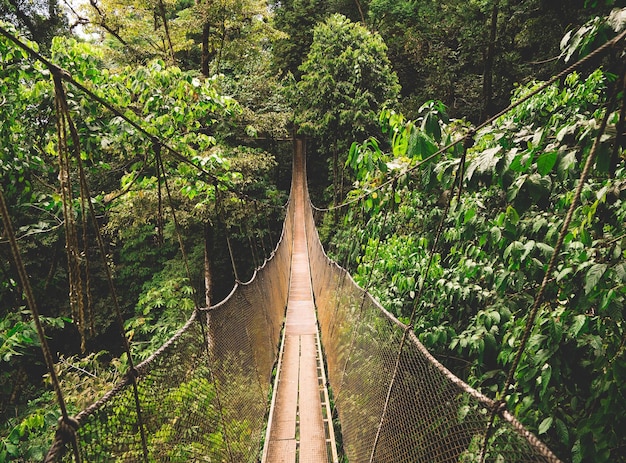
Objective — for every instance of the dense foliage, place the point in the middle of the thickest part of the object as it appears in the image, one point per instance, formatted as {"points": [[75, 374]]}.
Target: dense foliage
{"points": [[346, 79], [497, 239], [222, 83], [210, 180]]}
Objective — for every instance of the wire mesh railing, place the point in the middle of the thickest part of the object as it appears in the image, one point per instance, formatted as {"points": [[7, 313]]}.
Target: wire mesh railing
{"points": [[204, 394], [395, 401]]}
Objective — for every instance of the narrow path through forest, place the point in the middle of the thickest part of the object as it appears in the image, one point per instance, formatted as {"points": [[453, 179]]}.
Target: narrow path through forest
{"points": [[300, 427]]}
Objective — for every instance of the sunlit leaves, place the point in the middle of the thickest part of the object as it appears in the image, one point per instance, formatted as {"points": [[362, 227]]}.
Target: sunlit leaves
{"points": [[591, 35], [546, 162]]}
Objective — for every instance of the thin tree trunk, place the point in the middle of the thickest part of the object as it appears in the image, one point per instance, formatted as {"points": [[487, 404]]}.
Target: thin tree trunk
{"points": [[53, 13], [167, 29], [106, 27], [223, 40], [208, 270], [204, 60], [336, 181], [488, 71], [358, 5]]}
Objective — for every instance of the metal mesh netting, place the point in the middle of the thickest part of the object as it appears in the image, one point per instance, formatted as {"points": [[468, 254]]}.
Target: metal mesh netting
{"points": [[428, 414], [204, 395]]}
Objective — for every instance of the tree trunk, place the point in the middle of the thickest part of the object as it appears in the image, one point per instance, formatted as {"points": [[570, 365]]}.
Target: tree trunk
{"points": [[336, 182], [208, 270], [167, 30], [488, 72], [53, 15], [204, 60], [358, 5], [222, 40]]}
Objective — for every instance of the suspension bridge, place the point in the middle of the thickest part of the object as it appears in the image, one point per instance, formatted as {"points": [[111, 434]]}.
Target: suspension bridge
{"points": [[291, 363], [203, 396]]}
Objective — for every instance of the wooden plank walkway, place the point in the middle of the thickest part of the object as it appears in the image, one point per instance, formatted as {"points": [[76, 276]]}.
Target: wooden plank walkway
{"points": [[300, 425]]}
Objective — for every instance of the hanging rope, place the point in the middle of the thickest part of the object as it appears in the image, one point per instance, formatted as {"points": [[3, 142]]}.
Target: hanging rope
{"points": [[64, 113], [203, 320], [67, 427], [72, 248], [220, 214], [160, 221], [269, 229], [364, 296], [67, 77], [594, 54]]}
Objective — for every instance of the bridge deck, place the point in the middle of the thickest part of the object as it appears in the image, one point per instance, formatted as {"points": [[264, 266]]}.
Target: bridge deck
{"points": [[300, 425]]}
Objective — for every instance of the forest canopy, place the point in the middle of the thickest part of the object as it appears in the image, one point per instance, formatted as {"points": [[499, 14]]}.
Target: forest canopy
{"points": [[158, 131]]}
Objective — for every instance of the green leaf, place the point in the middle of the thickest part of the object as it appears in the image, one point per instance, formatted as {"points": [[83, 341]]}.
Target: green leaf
{"points": [[593, 277], [512, 215], [546, 374], [545, 425], [528, 247], [563, 273], [546, 162], [607, 298], [469, 215], [577, 325], [545, 249], [561, 431], [567, 163], [577, 454]]}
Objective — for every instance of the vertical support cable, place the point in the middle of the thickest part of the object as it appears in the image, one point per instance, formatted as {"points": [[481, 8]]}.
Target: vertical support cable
{"points": [[365, 293], [67, 425], [159, 160], [160, 221], [232, 257], [218, 206], [71, 238], [530, 322], [256, 213]]}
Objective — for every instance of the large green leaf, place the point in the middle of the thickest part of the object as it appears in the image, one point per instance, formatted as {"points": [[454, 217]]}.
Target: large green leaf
{"points": [[546, 162], [593, 276]]}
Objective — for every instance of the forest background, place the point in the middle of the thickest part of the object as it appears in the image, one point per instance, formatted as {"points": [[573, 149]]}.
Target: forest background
{"points": [[378, 86]]}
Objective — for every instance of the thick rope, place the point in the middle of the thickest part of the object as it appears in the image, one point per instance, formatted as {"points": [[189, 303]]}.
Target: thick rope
{"points": [[32, 305], [183, 251], [72, 250], [363, 299], [594, 54], [67, 77]]}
